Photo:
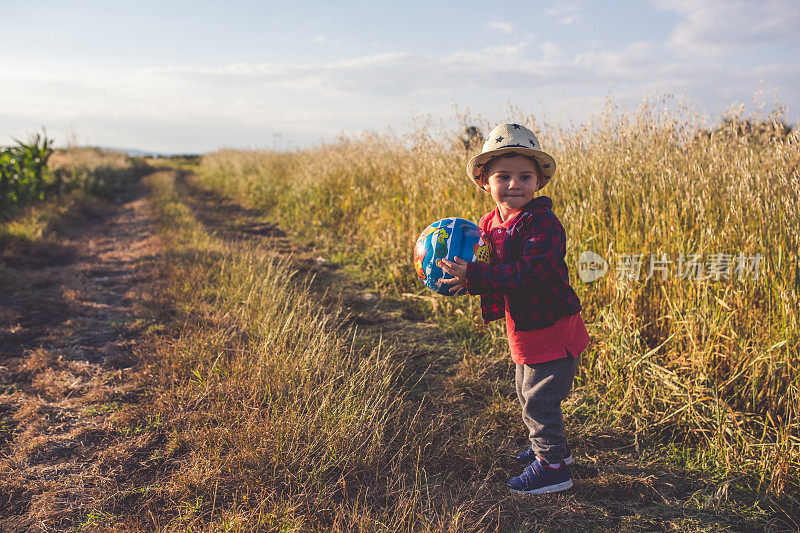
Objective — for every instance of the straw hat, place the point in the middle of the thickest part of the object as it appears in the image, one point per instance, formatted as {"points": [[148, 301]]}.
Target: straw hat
{"points": [[507, 138]]}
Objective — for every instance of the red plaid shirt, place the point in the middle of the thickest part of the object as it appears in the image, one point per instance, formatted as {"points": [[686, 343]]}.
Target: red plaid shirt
{"points": [[528, 267]]}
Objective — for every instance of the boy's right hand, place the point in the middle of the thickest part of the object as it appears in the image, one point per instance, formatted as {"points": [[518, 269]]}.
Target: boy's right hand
{"points": [[458, 269]]}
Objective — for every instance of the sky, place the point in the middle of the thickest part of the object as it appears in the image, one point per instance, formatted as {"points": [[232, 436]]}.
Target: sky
{"points": [[191, 77]]}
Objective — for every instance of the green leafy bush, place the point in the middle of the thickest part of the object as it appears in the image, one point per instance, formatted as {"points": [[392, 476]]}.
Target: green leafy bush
{"points": [[24, 176]]}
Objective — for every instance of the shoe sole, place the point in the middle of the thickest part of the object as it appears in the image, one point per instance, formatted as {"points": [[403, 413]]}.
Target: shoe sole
{"points": [[544, 490]]}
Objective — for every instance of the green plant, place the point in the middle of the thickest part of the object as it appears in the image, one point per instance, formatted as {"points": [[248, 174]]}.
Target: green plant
{"points": [[23, 172]]}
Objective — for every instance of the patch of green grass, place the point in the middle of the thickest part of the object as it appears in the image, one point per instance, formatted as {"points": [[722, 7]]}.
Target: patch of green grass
{"points": [[35, 223], [93, 519], [101, 409], [151, 423]]}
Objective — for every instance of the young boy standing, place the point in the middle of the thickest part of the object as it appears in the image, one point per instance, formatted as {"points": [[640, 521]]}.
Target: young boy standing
{"points": [[528, 284]]}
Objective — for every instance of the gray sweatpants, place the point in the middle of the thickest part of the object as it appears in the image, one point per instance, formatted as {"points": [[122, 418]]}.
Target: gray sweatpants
{"points": [[540, 389]]}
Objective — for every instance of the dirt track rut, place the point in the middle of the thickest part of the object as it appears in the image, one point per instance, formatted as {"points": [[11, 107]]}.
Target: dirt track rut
{"points": [[69, 335]]}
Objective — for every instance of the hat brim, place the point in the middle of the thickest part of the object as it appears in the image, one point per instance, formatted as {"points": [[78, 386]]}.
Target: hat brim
{"points": [[545, 160]]}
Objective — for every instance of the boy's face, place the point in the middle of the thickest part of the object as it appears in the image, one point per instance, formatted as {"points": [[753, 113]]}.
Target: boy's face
{"points": [[512, 182]]}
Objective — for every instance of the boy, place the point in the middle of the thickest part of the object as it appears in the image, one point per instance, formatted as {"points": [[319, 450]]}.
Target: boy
{"points": [[528, 284]]}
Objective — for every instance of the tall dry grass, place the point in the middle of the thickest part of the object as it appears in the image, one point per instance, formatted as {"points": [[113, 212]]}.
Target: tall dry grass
{"points": [[707, 367], [99, 172], [294, 424]]}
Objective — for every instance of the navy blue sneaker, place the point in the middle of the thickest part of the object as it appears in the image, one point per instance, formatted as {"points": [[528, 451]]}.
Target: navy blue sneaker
{"points": [[529, 455], [540, 478]]}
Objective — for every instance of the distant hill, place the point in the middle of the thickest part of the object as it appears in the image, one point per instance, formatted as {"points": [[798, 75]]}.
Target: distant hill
{"points": [[134, 152]]}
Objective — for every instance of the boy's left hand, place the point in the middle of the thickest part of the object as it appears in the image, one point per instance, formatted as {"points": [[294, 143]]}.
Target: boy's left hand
{"points": [[458, 269]]}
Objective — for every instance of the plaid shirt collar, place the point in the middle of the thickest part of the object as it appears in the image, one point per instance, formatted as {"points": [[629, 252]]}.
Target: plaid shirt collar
{"points": [[537, 204]]}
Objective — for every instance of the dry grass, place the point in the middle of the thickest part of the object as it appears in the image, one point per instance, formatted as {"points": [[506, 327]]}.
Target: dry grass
{"points": [[86, 160], [99, 172], [708, 368], [296, 421], [283, 417]]}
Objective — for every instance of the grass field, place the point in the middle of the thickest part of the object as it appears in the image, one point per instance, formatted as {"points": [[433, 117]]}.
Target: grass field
{"points": [[296, 376], [704, 371], [303, 402]]}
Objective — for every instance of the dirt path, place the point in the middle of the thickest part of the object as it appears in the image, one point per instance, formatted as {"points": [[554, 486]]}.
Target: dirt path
{"points": [[69, 337]]}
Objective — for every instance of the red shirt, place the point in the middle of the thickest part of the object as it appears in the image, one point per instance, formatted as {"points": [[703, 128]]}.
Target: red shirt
{"points": [[539, 345]]}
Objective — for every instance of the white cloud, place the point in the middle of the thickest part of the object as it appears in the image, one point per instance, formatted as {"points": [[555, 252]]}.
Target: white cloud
{"points": [[232, 103], [566, 13], [505, 27], [319, 39], [388, 75], [508, 50], [716, 27], [635, 60], [402, 76], [550, 52]]}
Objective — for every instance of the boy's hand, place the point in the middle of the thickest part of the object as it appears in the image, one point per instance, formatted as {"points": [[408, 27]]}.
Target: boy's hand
{"points": [[458, 269]]}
